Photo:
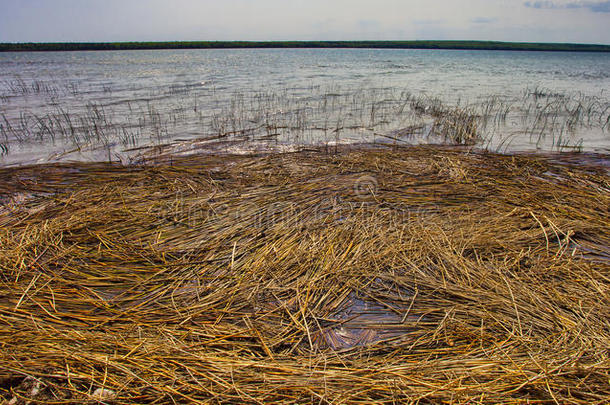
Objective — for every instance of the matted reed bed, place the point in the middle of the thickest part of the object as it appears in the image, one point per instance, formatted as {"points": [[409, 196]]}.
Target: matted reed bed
{"points": [[384, 275]]}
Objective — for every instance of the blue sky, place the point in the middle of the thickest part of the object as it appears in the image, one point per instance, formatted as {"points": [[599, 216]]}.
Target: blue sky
{"points": [[154, 20]]}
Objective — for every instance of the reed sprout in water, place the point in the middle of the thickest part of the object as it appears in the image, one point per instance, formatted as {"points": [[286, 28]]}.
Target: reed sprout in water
{"points": [[309, 115]]}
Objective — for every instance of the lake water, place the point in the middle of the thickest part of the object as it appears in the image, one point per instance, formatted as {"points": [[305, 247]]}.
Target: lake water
{"points": [[108, 105]]}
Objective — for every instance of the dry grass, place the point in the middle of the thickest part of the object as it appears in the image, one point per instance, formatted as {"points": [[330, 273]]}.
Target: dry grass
{"points": [[373, 275]]}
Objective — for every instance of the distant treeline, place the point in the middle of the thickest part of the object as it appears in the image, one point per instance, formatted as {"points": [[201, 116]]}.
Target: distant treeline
{"points": [[483, 45]]}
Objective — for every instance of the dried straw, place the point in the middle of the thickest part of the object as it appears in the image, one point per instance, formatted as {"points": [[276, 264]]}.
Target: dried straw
{"points": [[372, 275]]}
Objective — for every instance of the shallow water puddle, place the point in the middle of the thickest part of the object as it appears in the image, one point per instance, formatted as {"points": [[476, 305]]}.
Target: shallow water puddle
{"points": [[595, 252], [363, 322]]}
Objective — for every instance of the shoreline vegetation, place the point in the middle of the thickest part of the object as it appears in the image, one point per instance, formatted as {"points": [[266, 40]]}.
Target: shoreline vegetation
{"points": [[457, 45], [199, 117], [374, 274]]}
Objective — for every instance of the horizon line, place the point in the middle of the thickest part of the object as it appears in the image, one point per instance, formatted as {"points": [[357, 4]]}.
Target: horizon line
{"points": [[362, 44]]}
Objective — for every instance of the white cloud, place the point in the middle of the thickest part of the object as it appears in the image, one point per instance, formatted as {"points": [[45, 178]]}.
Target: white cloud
{"points": [[594, 6]]}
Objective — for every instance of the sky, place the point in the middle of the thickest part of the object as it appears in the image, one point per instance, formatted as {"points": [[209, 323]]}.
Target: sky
{"points": [[211, 20]]}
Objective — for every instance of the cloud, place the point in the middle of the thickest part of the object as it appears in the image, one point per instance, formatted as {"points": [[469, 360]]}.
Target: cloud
{"points": [[428, 22], [369, 24], [483, 20], [601, 7], [594, 6]]}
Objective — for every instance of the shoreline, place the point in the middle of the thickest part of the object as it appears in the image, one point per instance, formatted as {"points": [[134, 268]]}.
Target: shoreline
{"points": [[445, 45], [180, 151]]}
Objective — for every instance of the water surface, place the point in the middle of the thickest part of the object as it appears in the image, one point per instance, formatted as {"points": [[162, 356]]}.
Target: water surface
{"points": [[103, 105]]}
